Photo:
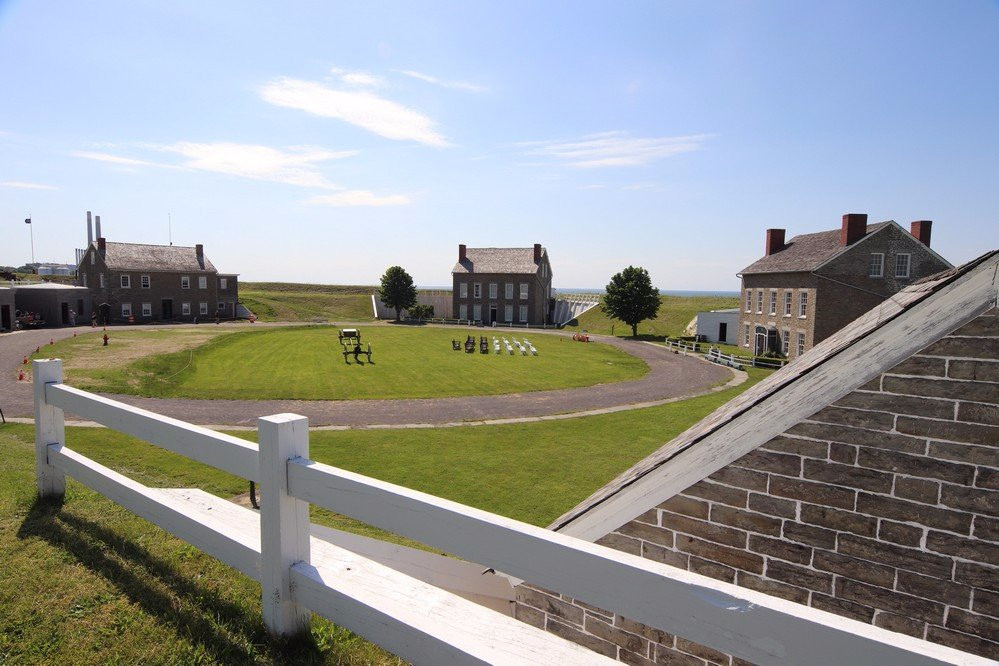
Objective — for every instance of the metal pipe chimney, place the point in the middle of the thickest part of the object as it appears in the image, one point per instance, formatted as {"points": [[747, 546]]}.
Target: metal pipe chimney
{"points": [[90, 230], [97, 220]]}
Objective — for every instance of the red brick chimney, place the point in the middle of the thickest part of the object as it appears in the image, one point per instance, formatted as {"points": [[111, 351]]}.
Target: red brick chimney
{"points": [[921, 230], [537, 252], [854, 228], [775, 241], [102, 245], [462, 254]]}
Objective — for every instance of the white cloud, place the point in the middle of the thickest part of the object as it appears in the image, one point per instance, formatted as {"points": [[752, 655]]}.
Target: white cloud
{"points": [[614, 149], [456, 85], [117, 159], [357, 78], [20, 185], [361, 108], [358, 198]]}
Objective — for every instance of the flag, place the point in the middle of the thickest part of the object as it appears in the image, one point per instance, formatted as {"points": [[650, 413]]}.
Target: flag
{"points": [[28, 221]]}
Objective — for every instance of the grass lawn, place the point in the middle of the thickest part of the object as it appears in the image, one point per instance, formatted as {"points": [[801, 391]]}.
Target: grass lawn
{"points": [[91, 583], [286, 301], [674, 315], [306, 363]]}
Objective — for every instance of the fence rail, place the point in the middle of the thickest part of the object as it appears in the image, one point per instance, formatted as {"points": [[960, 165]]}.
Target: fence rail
{"points": [[421, 622]]}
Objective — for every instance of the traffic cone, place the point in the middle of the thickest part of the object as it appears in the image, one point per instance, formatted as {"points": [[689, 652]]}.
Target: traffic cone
{"points": [[20, 375]]}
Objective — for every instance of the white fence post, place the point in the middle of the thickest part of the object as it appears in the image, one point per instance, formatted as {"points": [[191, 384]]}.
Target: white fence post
{"points": [[284, 521], [50, 428]]}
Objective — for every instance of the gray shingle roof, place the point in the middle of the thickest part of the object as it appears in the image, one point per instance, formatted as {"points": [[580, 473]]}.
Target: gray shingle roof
{"points": [[135, 256], [513, 260], [804, 253]]}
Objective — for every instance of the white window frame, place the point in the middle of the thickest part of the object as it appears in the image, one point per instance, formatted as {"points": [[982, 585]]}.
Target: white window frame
{"points": [[508, 292], [493, 290], [125, 280], [185, 281], [477, 312], [101, 280], [876, 265], [773, 302], [801, 343], [788, 297], [147, 309], [83, 275], [523, 291], [759, 301], [93, 258], [462, 290], [463, 311], [203, 307], [785, 343], [523, 314], [802, 305], [477, 290], [202, 282], [749, 300], [144, 282], [126, 310], [745, 335], [185, 309], [508, 313], [908, 265], [223, 283]]}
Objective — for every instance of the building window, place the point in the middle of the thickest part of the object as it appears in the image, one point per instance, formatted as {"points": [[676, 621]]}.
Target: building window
{"points": [[759, 302], [749, 300], [463, 310], [462, 290], [147, 309], [101, 279], [202, 282], [745, 335], [493, 289], [787, 303], [785, 341], [185, 281], [801, 343], [773, 302], [126, 281], [477, 290], [93, 258], [803, 304], [126, 309], [185, 308], [223, 283], [203, 308], [508, 312], [144, 281], [523, 314], [508, 292], [476, 312], [876, 266], [523, 293], [902, 265], [83, 275]]}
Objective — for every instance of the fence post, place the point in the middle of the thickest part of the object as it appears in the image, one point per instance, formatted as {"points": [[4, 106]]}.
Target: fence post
{"points": [[50, 428], [284, 521]]}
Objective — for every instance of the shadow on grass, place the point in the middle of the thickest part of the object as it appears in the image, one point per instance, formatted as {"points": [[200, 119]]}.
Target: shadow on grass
{"points": [[218, 626]]}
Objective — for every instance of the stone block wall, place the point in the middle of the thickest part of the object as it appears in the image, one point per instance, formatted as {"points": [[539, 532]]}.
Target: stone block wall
{"points": [[883, 507]]}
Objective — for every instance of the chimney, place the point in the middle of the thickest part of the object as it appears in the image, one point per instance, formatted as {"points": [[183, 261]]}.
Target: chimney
{"points": [[102, 245], [90, 230], [921, 230], [461, 252], [537, 252], [97, 225], [775, 241], [854, 228]]}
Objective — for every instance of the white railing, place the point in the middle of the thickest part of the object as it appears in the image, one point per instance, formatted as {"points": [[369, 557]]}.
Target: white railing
{"points": [[421, 622], [680, 345], [715, 354]]}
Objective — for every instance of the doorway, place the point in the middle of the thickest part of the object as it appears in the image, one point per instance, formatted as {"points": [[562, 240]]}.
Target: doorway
{"points": [[492, 315], [723, 332], [167, 308], [105, 314], [5, 322], [761, 341], [64, 311]]}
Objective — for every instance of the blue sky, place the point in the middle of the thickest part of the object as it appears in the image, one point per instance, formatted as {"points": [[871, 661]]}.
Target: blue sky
{"points": [[324, 142]]}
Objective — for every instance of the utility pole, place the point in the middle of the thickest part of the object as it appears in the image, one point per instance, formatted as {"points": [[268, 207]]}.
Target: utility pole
{"points": [[31, 232]]}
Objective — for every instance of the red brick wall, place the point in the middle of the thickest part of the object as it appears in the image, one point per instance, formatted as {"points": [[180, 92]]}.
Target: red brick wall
{"points": [[883, 507]]}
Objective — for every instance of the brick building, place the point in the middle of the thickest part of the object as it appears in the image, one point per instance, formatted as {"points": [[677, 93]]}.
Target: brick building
{"points": [[504, 285], [862, 480], [802, 291], [155, 283]]}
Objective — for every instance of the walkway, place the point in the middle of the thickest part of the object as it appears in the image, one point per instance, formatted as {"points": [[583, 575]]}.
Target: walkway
{"points": [[670, 377]]}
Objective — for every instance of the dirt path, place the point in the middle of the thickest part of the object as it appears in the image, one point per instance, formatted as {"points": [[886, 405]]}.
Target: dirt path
{"points": [[670, 376]]}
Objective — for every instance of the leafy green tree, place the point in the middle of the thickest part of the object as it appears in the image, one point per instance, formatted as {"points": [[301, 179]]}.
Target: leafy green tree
{"points": [[398, 291], [421, 311], [631, 297]]}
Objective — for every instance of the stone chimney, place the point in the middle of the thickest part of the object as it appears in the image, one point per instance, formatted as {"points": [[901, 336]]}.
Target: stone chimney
{"points": [[775, 241], [97, 226], [537, 252], [102, 245], [921, 230], [854, 228], [462, 254], [90, 230]]}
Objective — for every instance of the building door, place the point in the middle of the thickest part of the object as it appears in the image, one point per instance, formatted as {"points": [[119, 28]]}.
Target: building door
{"points": [[167, 308], [492, 315], [79, 309], [105, 314], [761, 341], [64, 311], [5, 317], [723, 332]]}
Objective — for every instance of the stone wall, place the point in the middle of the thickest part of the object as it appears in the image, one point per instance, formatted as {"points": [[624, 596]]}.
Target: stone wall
{"points": [[883, 507]]}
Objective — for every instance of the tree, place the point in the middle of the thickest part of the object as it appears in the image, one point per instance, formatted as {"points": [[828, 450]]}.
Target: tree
{"points": [[398, 290], [631, 297]]}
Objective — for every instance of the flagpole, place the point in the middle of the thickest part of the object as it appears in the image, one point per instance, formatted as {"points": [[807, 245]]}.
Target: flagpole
{"points": [[31, 232]]}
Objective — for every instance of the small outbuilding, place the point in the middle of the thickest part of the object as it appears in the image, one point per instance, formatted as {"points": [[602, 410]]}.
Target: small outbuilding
{"points": [[718, 325], [55, 304]]}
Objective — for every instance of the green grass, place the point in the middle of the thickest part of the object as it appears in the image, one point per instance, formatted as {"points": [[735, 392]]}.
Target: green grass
{"points": [[88, 582], [307, 363], [674, 315]]}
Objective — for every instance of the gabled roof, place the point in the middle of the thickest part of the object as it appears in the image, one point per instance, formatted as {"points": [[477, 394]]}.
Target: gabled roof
{"points": [[512, 260], [136, 256], [807, 252], [877, 341]]}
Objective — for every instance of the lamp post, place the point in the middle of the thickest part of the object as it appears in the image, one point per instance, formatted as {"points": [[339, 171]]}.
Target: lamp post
{"points": [[31, 232]]}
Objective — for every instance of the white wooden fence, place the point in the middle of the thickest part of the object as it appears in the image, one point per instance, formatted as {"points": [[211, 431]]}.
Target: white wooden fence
{"points": [[427, 622]]}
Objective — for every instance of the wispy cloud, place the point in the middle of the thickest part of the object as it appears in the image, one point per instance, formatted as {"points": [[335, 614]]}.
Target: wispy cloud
{"points": [[358, 198], [20, 185], [455, 85], [356, 78], [357, 107], [614, 149]]}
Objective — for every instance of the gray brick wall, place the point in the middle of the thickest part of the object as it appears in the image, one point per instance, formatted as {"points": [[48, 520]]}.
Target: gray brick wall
{"points": [[883, 507], [537, 308]]}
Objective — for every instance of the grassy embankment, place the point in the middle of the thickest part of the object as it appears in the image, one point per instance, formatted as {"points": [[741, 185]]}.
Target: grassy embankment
{"points": [[91, 583], [307, 363], [290, 301], [675, 312]]}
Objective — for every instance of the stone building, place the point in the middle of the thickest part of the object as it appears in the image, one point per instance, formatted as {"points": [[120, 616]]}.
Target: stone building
{"points": [[503, 285], [131, 282], [54, 303], [802, 291], [6, 309], [862, 480]]}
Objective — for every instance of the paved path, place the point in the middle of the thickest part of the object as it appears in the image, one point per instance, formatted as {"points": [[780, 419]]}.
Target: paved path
{"points": [[670, 376]]}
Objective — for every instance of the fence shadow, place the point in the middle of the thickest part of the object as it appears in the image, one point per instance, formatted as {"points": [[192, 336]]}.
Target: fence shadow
{"points": [[224, 629]]}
